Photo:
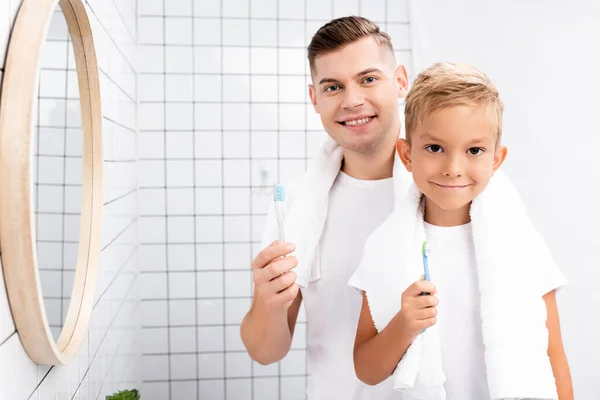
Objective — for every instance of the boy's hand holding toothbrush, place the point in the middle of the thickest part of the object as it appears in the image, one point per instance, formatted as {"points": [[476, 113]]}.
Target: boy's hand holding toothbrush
{"points": [[273, 280], [418, 312]]}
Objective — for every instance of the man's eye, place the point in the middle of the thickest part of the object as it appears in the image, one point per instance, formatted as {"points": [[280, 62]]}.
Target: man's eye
{"points": [[475, 151], [434, 148], [332, 88], [370, 79]]}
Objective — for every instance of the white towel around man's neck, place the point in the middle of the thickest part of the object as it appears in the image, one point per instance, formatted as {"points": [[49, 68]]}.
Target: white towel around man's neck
{"points": [[510, 256]]}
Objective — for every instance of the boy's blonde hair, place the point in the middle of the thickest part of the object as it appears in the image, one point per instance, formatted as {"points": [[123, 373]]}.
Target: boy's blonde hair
{"points": [[342, 31], [452, 84]]}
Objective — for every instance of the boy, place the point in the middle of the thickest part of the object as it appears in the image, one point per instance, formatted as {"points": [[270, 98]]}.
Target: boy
{"points": [[452, 148]]}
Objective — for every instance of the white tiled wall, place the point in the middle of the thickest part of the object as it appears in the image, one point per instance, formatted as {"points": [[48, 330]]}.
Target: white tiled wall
{"points": [[224, 114], [109, 358]]}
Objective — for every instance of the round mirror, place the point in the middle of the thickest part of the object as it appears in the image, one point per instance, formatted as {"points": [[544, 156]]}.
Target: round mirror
{"points": [[57, 171], [51, 177]]}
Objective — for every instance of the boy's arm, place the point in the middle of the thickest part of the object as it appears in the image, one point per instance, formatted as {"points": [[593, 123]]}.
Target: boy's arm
{"points": [[556, 352]]}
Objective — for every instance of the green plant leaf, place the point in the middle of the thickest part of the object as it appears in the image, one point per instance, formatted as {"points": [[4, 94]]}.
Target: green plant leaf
{"points": [[125, 395]]}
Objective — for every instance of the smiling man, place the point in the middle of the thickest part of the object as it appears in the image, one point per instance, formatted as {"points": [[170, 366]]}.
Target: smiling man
{"points": [[356, 84]]}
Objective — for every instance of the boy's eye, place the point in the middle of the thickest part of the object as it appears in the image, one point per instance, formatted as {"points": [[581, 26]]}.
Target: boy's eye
{"points": [[475, 151], [331, 88], [434, 148], [370, 79]]}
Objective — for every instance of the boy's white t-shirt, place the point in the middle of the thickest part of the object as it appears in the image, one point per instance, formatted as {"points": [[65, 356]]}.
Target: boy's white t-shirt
{"points": [[454, 273]]}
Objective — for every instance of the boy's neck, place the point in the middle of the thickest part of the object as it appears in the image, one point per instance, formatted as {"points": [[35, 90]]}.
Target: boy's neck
{"points": [[374, 166], [437, 216]]}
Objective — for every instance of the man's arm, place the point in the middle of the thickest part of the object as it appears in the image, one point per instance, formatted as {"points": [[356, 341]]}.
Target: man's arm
{"points": [[268, 327], [556, 352]]}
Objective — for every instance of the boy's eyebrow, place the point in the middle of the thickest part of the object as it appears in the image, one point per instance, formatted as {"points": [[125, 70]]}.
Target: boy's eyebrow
{"points": [[428, 136], [364, 72]]}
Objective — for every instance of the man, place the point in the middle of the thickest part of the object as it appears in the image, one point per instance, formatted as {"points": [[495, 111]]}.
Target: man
{"points": [[356, 84]]}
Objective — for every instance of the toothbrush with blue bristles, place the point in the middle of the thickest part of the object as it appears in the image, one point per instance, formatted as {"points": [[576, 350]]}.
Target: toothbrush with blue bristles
{"points": [[425, 252], [279, 198]]}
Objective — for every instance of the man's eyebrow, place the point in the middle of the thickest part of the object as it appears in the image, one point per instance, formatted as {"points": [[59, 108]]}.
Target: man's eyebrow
{"points": [[361, 73]]}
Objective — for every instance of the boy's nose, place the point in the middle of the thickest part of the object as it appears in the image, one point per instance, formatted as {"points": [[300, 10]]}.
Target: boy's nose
{"points": [[453, 168]]}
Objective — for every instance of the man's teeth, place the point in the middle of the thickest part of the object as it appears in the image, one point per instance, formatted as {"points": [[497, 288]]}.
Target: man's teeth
{"points": [[355, 122]]}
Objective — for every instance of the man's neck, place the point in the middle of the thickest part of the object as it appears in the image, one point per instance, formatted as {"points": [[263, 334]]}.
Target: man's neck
{"points": [[378, 165]]}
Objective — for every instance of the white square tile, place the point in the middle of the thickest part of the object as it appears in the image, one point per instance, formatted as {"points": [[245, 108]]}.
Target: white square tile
{"points": [[54, 55], [178, 8], [179, 59], [207, 144], [183, 340], [263, 8], [152, 258], [152, 202], [207, 31], [264, 144], [73, 114], [207, 8], [344, 8], [291, 386], [182, 312], [52, 83], [236, 60], [179, 145], [151, 7], [236, 87], [180, 230], [290, 170], [184, 389], [264, 88], [236, 144], [213, 389], [264, 116], [51, 112], [400, 34], [180, 116], [235, 172], [236, 32], [155, 283], [263, 32], [179, 87], [180, 201], [238, 256], [373, 10], [264, 61], [154, 313], [233, 339], [209, 229], [209, 201], [207, 88], [209, 284], [237, 228], [50, 141], [152, 230], [292, 117], [151, 30], [178, 31], [210, 312], [209, 256], [313, 120], [238, 365], [397, 11], [299, 339], [266, 389], [292, 61], [236, 8], [318, 9], [151, 116], [49, 227], [293, 89], [208, 172], [236, 201], [155, 367], [207, 60], [152, 173], [264, 173], [236, 309], [291, 10], [49, 199], [211, 366], [207, 116], [155, 390], [151, 87], [238, 283], [240, 389], [291, 33], [294, 363], [236, 116], [152, 58], [155, 341], [292, 144], [265, 370]]}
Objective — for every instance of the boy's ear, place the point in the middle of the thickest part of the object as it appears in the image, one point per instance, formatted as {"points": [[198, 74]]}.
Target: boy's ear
{"points": [[499, 157], [403, 149]]}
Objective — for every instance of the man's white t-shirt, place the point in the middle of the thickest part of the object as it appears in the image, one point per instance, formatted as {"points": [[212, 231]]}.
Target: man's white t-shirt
{"points": [[454, 273]]}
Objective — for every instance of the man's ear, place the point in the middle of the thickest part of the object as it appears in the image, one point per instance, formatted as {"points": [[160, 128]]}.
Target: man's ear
{"points": [[403, 149], [402, 80], [313, 97], [499, 157]]}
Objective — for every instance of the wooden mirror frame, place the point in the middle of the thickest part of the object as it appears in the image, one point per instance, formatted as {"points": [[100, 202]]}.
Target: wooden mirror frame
{"points": [[17, 215]]}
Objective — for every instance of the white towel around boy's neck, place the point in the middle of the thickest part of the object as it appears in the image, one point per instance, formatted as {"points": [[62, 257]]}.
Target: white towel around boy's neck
{"points": [[510, 256]]}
